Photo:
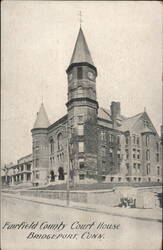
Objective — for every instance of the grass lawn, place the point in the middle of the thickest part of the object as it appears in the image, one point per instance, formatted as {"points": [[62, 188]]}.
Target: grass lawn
{"points": [[96, 186]]}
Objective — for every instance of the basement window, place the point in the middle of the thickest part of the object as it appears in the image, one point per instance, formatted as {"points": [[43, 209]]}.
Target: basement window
{"points": [[81, 176], [103, 178], [119, 179], [112, 179]]}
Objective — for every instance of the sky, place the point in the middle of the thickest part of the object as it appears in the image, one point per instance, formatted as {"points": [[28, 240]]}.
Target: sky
{"points": [[38, 38]]}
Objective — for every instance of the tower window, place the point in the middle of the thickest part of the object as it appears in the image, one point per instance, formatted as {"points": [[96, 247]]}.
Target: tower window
{"points": [[80, 129], [103, 135], [80, 91], [81, 147], [81, 163], [80, 118], [79, 73], [110, 138], [103, 151]]}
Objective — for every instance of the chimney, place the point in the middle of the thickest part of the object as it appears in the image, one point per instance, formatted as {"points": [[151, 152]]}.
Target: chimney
{"points": [[115, 111]]}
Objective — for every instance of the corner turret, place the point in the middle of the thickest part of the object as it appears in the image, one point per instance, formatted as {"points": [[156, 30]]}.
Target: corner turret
{"points": [[40, 148]]}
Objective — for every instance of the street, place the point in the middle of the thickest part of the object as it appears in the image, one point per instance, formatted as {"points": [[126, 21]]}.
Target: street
{"points": [[29, 225]]}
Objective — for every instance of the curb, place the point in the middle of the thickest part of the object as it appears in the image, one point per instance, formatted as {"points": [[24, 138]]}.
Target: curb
{"points": [[88, 209]]}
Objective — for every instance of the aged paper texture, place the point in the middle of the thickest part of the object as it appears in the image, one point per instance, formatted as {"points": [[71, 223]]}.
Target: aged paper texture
{"points": [[81, 159]]}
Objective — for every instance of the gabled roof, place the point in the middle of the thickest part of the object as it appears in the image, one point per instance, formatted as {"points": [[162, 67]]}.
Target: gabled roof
{"points": [[104, 114], [146, 130], [42, 119], [81, 51], [128, 123]]}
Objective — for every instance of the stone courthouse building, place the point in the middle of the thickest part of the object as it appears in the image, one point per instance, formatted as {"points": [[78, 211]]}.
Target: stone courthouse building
{"points": [[94, 143]]}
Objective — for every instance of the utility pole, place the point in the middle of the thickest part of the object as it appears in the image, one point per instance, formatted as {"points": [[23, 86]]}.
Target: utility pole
{"points": [[68, 168]]}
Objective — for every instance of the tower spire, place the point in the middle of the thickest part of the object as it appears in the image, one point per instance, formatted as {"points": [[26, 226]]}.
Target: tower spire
{"points": [[81, 53], [42, 120]]}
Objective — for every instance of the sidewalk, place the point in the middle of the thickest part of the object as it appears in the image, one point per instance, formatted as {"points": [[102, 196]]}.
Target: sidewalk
{"points": [[133, 213]]}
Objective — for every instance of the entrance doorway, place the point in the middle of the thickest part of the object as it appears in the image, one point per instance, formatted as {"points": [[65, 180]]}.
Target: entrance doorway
{"points": [[61, 173], [52, 176]]}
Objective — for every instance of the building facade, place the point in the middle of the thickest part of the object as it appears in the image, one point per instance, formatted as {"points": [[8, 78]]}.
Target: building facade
{"points": [[19, 173], [91, 142]]}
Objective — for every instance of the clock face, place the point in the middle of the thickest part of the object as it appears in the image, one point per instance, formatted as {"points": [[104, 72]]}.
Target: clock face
{"points": [[91, 75], [70, 77]]}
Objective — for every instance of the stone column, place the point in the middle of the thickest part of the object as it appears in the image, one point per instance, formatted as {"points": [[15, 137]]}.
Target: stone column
{"points": [[24, 177]]}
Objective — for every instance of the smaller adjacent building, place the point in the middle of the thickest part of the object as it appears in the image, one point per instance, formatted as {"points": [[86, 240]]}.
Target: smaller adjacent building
{"points": [[19, 173]]}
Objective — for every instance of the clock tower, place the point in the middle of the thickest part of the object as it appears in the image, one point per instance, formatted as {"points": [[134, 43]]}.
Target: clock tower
{"points": [[82, 107]]}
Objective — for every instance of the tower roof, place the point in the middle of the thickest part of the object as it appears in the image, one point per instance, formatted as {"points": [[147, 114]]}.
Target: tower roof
{"points": [[42, 118], [81, 53]]}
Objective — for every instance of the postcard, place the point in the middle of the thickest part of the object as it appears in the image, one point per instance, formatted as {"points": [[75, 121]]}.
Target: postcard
{"points": [[82, 136]]}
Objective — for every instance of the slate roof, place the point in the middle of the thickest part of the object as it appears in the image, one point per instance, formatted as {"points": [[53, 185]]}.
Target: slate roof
{"points": [[42, 120], [104, 114], [81, 51], [128, 123]]}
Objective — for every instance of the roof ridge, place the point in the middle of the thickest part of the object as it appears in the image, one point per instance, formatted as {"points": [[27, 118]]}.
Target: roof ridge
{"points": [[126, 118]]}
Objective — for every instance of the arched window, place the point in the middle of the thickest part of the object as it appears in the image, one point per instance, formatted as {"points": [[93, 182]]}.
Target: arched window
{"points": [[157, 146], [60, 141], [147, 155], [103, 135], [118, 139], [110, 138], [134, 139], [51, 146], [52, 176], [158, 170], [147, 140], [148, 169]]}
